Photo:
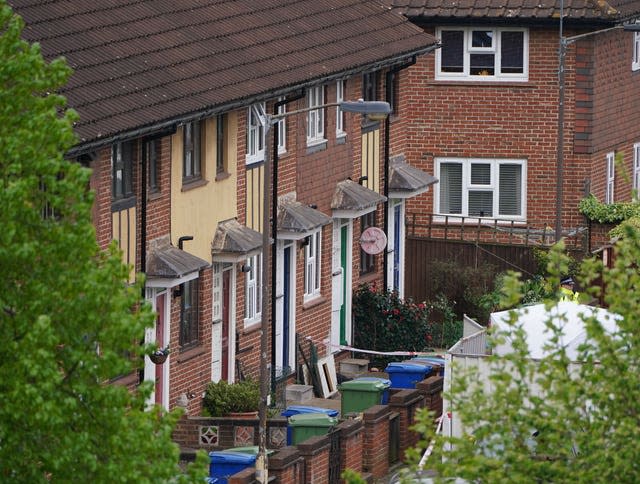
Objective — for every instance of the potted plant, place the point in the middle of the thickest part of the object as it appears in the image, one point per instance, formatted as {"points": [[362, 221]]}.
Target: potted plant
{"points": [[160, 355], [224, 399]]}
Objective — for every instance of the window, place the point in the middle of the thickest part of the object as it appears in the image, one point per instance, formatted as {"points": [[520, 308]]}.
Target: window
{"points": [[282, 129], [482, 54], [192, 154], [611, 174], [370, 86], [216, 304], [481, 188], [189, 313], [253, 284], [256, 119], [312, 266], [221, 144], [340, 115], [122, 170], [151, 158], [636, 170], [635, 65], [367, 261], [315, 117]]}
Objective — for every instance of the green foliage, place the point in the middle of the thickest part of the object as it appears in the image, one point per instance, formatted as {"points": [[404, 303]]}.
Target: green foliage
{"points": [[444, 328], [463, 286], [607, 213], [222, 398], [585, 416], [384, 322], [69, 323]]}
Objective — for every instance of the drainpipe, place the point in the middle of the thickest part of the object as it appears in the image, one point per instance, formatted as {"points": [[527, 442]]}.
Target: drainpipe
{"points": [[388, 95], [274, 234]]}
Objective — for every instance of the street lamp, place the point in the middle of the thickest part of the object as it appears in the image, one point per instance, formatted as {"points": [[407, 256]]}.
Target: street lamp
{"points": [[375, 110], [562, 52]]}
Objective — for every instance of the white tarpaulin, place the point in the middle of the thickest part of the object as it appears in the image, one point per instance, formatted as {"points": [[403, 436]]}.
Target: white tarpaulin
{"points": [[565, 315]]}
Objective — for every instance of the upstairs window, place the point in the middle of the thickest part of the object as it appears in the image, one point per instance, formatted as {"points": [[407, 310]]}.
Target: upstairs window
{"points": [[611, 174], [221, 144], [256, 119], [151, 156], [315, 117], [481, 188], [481, 54], [282, 129], [192, 154], [122, 170], [340, 115], [635, 64]]}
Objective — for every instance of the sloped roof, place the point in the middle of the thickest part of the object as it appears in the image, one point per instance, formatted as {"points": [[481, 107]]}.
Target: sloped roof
{"points": [[232, 239], [578, 10], [295, 219], [352, 198], [168, 261], [140, 63], [406, 179]]}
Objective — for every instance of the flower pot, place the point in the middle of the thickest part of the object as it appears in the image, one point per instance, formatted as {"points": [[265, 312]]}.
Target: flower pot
{"points": [[158, 357], [243, 415]]}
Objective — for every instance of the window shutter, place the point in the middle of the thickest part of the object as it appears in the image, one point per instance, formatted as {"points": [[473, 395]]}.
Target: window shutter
{"points": [[510, 189], [451, 188]]}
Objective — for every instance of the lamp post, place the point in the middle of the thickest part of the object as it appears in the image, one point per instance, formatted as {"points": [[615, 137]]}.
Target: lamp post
{"points": [[373, 109], [562, 52]]}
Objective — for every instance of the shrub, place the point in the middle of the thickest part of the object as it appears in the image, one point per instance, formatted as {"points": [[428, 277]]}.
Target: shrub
{"points": [[222, 398], [384, 322]]}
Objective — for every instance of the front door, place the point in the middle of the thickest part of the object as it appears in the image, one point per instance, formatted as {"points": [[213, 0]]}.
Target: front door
{"points": [[285, 316], [341, 284], [224, 357]]}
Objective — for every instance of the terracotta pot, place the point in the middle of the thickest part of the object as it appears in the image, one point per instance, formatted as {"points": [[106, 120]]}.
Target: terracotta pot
{"points": [[243, 415]]}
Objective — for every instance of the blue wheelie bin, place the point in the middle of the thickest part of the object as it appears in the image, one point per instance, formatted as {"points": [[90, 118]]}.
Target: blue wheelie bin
{"points": [[224, 463], [404, 374]]}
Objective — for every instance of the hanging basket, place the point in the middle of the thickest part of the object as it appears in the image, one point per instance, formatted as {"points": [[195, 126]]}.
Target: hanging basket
{"points": [[160, 356]]}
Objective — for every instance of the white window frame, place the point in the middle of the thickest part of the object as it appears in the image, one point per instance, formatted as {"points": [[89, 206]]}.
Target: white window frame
{"points": [[315, 117], [312, 265], [636, 170], [611, 175], [216, 304], [256, 119], [635, 63], [491, 187], [253, 290], [495, 49], [282, 129], [340, 116]]}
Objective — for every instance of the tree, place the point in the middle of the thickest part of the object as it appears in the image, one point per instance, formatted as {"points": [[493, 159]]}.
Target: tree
{"points": [[582, 423], [69, 323]]}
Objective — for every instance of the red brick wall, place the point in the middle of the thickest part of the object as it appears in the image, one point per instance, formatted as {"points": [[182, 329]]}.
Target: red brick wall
{"points": [[497, 120], [376, 440]]}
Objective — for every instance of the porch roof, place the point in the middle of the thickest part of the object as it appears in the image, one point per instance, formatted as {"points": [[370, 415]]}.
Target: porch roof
{"points": [[296, 220], [352, 200], [233, 241], [407, 181], [167, 261]]}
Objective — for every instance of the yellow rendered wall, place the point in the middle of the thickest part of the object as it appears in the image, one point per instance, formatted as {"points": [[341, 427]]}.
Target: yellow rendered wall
{"points": [[371, 159], [196, 211]]}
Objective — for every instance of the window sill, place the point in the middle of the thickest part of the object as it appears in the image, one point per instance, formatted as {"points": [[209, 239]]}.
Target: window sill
{"points": [[190, 185], [154, 195], [525, 83], [316, 146], [222, 176], [251, 327], [190, 353], [368, 277], [126, 380], [313, 302], [465, 220]]}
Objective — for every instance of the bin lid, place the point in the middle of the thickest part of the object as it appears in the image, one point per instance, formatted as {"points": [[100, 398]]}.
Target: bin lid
{"points": [[407, 367], [228, 457], [251, 449], [365, 384], [434, 359], [385, 381], [300, 409], [312, 420]]}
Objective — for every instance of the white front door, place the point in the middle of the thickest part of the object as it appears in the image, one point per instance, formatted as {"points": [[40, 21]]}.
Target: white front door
{"points": [[159, 334], [341, 286], [285, 306]]}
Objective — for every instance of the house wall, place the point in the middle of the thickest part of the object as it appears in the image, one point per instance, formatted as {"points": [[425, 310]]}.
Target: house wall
{"points": [[497, 120], [197, 210], [616, 110]]}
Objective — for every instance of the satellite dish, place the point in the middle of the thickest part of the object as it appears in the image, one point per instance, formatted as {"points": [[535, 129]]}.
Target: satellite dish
{"points": [[373, 240]]}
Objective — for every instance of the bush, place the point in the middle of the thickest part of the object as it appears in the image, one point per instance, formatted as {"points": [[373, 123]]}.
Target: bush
{"points": [[222, 398], [384, 322]]}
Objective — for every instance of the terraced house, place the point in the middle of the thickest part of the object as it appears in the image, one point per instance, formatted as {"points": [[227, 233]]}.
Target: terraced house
{"points": [[515, 146], [175, 103]]}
